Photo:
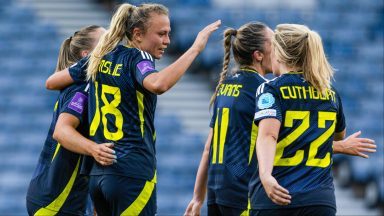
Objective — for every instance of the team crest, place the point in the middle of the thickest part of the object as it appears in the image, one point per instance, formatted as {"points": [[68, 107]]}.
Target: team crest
{"points": [[265, 101]]}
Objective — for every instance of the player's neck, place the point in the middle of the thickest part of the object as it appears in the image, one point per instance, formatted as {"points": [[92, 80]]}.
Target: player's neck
{"points": [[258, 68], [285, 69]]}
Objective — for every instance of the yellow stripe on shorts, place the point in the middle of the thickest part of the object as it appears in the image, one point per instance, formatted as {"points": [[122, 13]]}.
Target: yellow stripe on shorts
{"points": [[54, 207], [141, 201]]}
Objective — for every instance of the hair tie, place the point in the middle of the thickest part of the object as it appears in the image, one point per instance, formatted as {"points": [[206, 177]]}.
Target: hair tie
{"points": [[70, 38], [234, 32], [306, 35]]}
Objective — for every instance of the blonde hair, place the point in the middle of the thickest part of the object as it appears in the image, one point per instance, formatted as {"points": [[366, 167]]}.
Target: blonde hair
{"points": [[126, 18], [71, 48], [298, 47], [247, 39]]}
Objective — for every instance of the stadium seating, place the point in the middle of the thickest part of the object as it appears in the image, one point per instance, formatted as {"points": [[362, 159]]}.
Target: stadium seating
{"points": [[28, 52]]}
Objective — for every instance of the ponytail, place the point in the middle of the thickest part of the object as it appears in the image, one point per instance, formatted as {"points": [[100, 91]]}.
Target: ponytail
{"points": [[316, 67], [115, 34], [65, 55], [228, 33], [298, 47]]}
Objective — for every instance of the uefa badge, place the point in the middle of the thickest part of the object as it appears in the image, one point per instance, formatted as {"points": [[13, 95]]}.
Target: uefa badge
{"points": [[265, 101]]}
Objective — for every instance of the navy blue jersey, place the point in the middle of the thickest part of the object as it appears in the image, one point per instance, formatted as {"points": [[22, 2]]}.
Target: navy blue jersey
{"points": [[122, 111], [56, 184], [77, 71], [303, 156], [232, 156]]}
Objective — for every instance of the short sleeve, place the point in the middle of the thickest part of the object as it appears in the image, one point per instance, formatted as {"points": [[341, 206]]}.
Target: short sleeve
{"points": [[340, 122], [143, 65], [76, 103], [267, 104], [77, 71]]}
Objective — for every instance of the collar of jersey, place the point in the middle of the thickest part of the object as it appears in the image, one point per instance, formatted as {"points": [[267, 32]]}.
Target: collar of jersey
{"points": [[249, 70]]}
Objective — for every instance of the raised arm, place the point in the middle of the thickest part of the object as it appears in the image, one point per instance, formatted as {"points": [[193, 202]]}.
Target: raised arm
{"points": [[194, 207], [67, 135], [59, 80], [162, 81]]}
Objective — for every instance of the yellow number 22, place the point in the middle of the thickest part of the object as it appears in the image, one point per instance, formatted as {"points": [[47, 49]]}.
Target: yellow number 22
{"points": [[314, 145]]}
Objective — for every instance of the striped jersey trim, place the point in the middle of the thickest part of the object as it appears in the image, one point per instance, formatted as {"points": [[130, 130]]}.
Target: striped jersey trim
{"points": [[146, 55]]}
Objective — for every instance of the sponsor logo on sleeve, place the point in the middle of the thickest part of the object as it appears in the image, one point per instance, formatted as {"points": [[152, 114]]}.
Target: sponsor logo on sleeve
{"points": [[78, 102], [264, 113], [145, 66], [265, 101]]}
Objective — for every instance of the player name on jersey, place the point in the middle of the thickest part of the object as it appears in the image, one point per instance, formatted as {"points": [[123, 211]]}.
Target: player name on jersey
{"points": [[231, 90], [106, 68], [304, 92]]}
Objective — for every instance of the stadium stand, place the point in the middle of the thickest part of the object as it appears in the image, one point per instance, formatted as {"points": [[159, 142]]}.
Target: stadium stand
{"points": [[28, 52]]}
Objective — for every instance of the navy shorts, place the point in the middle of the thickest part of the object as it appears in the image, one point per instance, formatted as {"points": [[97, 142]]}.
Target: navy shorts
{"points": [[32, 208], [122, 195], [220, 210], [318, 210]]}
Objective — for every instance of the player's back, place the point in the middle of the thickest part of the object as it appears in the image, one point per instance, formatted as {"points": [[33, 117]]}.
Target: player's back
{"points": [[122, 112], [303, 156], [232, 157], [57, 183]]}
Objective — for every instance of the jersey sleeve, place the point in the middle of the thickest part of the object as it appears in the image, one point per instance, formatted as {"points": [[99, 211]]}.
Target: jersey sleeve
{"points": [[340, 122], [76, 103], [143, 65], [267, 104], [78, 70]]}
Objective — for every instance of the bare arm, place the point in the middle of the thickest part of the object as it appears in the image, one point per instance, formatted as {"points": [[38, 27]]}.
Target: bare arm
{"points": [[59, 80], [67, 135], [355, 146], [162, 81], [265, 149], [200, 190]]}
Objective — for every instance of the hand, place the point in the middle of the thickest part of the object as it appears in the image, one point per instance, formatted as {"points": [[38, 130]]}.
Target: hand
{"points": [[275, 192], [202, 38], [104, 154], [194, 208], [353, 145]]}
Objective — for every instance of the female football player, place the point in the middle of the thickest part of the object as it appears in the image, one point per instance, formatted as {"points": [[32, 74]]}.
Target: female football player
{"points": [[299, 115], [58, 185], [123, 94], [228, 160]]}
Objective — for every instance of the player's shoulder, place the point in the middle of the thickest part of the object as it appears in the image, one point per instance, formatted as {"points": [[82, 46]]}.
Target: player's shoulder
{"points": [[139, 55], [71, 90]]}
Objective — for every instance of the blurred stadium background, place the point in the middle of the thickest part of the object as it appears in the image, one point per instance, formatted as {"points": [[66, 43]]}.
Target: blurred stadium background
{"points": [[31, 32]]}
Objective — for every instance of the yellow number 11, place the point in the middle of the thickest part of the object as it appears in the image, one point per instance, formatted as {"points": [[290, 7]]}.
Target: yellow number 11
{"points": [[223, 135]]}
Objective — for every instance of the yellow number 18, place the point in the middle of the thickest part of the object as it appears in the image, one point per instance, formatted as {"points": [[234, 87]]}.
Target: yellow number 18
{"points": [[108, 108]]}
